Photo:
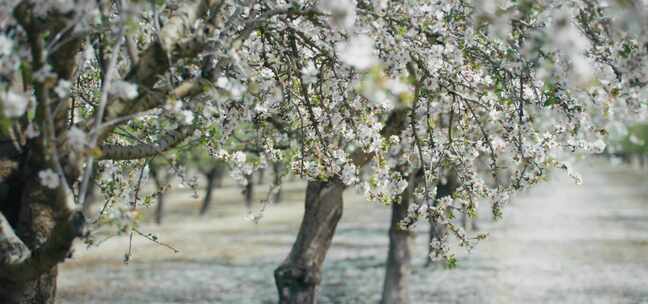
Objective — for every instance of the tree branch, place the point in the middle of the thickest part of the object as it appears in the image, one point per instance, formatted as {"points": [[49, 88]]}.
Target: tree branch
{"points": [[13, 251], [166, 142]]}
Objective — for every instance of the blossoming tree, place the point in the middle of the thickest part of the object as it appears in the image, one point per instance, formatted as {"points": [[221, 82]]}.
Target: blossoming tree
{"points": [[407, 90]]}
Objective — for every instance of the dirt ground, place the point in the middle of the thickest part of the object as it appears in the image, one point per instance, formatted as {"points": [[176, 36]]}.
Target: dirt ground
{"points": [[560, 243]]}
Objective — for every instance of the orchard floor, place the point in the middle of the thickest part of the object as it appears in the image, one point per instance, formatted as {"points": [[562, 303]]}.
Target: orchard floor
{"points": [[559, 243]]}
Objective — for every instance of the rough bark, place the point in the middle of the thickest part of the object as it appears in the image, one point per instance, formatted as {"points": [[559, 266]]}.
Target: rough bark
{"points": [[166, 142], [399, 257], [34, 241], [298, 277], [37, 291], [37, 224]]}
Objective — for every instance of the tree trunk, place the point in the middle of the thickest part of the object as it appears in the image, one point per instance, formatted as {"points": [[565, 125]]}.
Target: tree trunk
{"points": [[220, 173], [277, 174], [249, 191], [399, 257], [298, 277], [159, 209], [211, 180], [157, 179], [38, 291], [36, 233], [261, 177]]}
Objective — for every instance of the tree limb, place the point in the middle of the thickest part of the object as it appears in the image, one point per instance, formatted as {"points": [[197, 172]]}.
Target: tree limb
{"points": [[13, 251], [166, 142]]}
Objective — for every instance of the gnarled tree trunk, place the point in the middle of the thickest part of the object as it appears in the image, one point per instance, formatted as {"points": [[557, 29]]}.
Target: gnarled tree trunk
{"points": [[36, 233], [298, 277], [399, 257], [41, 290]]}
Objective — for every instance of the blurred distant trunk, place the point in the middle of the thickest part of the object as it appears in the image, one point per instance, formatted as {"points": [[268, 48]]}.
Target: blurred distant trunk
{"points": [[261, 178], [438, 230], [277, 174], [159, 185], [469, 223], [214, 180], [635, 161], [220, 176], [159, 211], [399, 257], [248, 191], [298, 277]]}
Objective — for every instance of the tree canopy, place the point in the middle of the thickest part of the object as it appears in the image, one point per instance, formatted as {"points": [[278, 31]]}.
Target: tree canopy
{"points": [[360, 92]]}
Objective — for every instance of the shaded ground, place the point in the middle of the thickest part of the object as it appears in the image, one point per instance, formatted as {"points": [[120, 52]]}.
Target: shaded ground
{"points": [[561, 243]]}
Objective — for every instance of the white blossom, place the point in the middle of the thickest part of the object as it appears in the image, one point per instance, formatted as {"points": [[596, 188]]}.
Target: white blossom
{"points": [[636, 140], [49, 178], [358, 52], [380, 4], [239, 157], [13, 104], [77, 138], [6, 45], [123, 89], [187, 117], [32, 131], [349, 175], [62, 89], [309, 73], [44, 73], [342, 12]]}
